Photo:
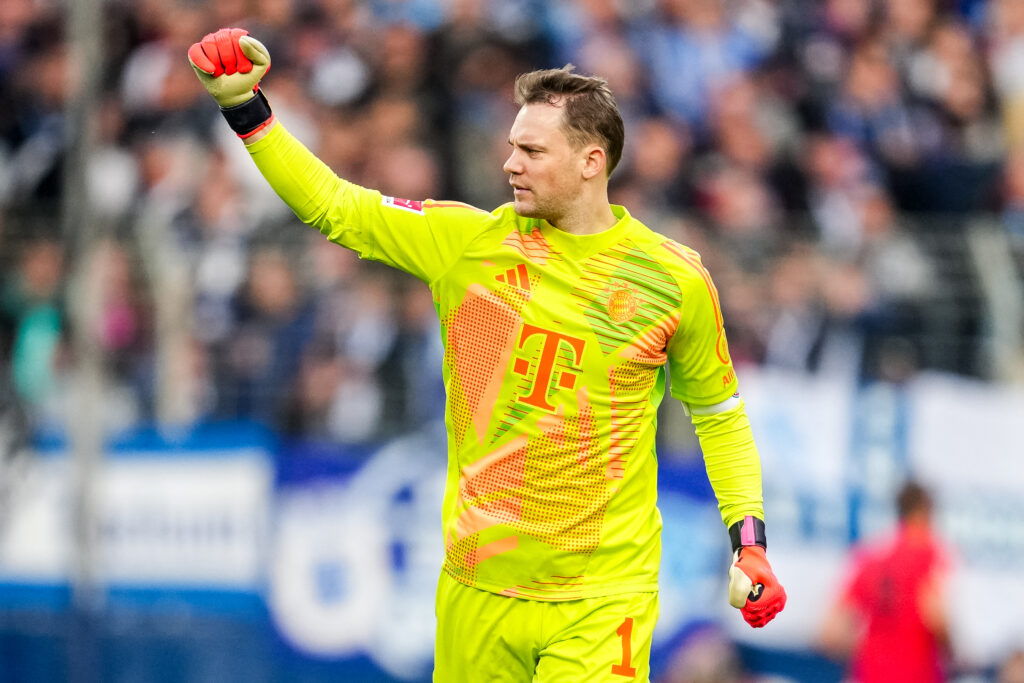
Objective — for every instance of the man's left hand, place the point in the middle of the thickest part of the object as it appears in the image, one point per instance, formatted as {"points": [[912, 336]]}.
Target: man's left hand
{"points": [[753, 587]]}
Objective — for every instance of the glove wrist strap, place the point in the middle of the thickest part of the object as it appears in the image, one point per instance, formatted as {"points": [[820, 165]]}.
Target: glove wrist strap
{"points": [[748, 531], [249, 116]]}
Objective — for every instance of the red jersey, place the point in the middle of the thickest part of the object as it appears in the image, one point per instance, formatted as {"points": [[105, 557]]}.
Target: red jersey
{"points": [[887, 582]]}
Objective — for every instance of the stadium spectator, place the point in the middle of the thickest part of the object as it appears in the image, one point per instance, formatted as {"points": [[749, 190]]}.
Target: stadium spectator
{"points": [[1005, 38], [262, 355], [691, 48], [871, 108], [32, 321]]}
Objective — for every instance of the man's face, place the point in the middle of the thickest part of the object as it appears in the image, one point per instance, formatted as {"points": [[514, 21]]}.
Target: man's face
{"points": [[545, 172]]}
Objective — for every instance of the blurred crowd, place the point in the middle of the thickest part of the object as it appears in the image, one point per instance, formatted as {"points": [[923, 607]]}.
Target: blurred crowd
{"points": [[824, 156]]}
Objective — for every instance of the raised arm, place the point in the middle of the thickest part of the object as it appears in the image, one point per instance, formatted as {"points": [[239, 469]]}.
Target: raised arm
{"points": [[230, 64], [422, 238]]}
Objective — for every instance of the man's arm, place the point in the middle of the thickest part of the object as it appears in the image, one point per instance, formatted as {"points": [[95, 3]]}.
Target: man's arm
{"points": [[418, 237], [931, 603], [839, 630], [704, 379], [734, 470], [230, 64], [730, 457]]}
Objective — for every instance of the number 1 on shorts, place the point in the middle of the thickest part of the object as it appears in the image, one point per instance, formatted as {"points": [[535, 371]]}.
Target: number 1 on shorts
{"points": [[625, 631]]}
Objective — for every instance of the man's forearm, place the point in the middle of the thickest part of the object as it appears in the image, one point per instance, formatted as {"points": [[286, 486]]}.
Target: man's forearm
{"points": [[732, 462], [305, 183]]}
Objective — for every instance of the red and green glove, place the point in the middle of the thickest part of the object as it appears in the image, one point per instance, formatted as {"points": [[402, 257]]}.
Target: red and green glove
{"points": [[230, 64], [753, 586]]}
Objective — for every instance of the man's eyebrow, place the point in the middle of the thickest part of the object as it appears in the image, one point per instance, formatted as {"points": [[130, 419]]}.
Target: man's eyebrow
{"points": [[526, 145]]}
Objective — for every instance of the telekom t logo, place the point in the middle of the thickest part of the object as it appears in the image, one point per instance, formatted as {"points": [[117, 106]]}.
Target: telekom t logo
{"points": [[550, 341]]}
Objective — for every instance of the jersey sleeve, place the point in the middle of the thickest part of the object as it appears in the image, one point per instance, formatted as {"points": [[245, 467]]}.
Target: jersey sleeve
{"points": [[698, 354], [420, 237], [702, 375], [732, 463]]}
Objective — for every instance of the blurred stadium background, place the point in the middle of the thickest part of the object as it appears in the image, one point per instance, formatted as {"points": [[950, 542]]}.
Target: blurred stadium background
{"points": [[220, 443]]}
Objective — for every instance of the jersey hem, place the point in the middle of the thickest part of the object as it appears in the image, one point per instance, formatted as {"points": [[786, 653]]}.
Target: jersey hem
{"points": [[597, 591]]}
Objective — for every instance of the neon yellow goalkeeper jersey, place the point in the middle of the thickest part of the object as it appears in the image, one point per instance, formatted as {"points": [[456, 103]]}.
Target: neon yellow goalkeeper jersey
{"points": [[556, 352]]}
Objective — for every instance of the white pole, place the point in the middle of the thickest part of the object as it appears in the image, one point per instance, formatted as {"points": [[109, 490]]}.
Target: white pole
{"points": [[83, 235]]}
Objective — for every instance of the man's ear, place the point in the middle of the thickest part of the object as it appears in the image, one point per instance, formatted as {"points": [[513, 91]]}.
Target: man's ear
{"points": [[594, 161]]}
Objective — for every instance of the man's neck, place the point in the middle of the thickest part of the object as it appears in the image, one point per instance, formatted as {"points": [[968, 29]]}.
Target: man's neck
{"points": [[597, 218]]}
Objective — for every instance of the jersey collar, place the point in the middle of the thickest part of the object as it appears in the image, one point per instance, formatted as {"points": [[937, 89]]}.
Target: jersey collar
{"points": [[584, 246]]}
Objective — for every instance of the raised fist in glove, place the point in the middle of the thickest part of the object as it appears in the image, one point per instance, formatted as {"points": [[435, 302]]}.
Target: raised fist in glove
{"points": [[753, 587], [230, 64]]}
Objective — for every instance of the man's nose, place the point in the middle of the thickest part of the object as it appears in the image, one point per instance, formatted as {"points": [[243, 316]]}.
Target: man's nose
{"points": [[512, 165]]}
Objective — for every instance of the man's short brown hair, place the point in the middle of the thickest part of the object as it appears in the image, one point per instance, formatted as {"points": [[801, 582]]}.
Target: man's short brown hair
{"points": [[590, 114], [913, 498]]}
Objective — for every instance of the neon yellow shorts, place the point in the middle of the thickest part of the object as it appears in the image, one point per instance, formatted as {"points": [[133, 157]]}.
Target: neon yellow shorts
{"points": [[484, 637]]}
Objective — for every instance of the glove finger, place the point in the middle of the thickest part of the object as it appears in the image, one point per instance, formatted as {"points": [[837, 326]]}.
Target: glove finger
{"points": [[226, 50], [242, 63], [758, 617], [209, 45], [199, 59], [771, 602], [255, 51], [761, 618]]}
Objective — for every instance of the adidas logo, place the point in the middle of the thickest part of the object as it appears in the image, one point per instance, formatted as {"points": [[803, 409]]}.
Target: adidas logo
{"points": [[517, 277]]}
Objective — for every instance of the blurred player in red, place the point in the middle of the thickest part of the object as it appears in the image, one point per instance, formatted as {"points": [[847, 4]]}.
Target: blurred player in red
{"points": [[891, 619]]}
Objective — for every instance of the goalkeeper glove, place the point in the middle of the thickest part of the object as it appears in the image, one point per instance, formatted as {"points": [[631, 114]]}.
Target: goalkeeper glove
{"points": [[753, 587], [230, 64]]}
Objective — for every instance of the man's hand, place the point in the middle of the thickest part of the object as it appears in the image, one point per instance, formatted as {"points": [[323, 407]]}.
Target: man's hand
{"points": [[229, 64], [753, 588]]}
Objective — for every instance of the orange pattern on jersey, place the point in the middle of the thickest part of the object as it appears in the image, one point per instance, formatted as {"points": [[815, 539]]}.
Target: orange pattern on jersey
{"points": [[551, 487], [651, 345], [488, 495], [692, 259], [489, 550], [565, 490], [480, 337], [531, 245], [630, 384], [489, 486], [498, 470]]}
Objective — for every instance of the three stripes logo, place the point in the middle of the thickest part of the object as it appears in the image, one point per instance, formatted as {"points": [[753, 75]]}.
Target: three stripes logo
{"points": [[517, 277]]}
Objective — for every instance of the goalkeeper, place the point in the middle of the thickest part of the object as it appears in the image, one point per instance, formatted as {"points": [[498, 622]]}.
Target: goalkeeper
{"points": [[561, 316]]}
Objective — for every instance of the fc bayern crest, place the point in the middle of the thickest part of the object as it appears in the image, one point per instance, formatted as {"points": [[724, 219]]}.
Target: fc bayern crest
{"points": [[622, 302]]}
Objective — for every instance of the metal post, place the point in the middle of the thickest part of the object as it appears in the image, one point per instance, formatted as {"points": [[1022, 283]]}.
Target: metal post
{"points": [[991, 254], [83, 234]]}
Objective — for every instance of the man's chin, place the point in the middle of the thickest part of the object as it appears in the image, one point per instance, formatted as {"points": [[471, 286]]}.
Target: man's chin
{"points": [[525, 209]]}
